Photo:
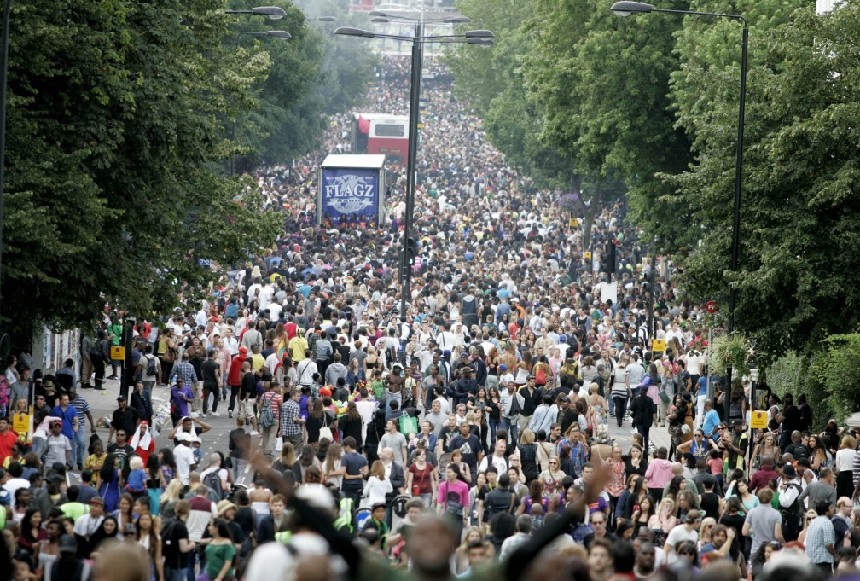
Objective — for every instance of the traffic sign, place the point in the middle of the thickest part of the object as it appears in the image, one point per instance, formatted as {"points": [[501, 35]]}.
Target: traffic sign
{"points": [[658, 345], [587, 255], [758, 419], [712, 307], [117, 352]]}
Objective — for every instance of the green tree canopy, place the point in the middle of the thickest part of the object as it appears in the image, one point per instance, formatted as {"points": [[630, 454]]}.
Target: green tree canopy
{"points": [[798, 278], [113, 156]]}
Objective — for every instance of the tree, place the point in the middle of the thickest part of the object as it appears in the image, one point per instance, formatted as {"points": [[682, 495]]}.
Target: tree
{"points": [[602, 86], [797, 282], [312, 74], [114, 142], [494, 81]]}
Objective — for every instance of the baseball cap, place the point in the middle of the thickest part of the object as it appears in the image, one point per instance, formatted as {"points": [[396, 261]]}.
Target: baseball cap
{"points": [[503, 367], [68, 544]]}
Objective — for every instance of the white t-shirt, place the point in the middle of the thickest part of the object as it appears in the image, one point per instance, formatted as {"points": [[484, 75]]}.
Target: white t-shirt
{"points": [[222, 473], [184, 458], [676, 536]]}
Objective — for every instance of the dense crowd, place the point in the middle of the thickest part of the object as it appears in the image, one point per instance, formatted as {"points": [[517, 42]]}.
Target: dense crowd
{"points": [[469, 434]]}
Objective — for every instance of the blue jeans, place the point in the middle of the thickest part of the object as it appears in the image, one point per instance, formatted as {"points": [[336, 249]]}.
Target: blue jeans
{"points": [[171, 574], [79, 447], [495, 425], [40, 446], [389, 397], [513, 430]]}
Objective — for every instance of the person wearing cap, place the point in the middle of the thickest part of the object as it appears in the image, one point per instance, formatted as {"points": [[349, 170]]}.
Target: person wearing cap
{"points": [[789, 490], [124, 418], [59, 446], [87, 524], [227, 510], [184, 457]]}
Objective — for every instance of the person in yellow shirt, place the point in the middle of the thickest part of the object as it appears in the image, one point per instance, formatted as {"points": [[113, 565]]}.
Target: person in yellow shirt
{"points": [[21, 421], [297, 346], [257, 360]]}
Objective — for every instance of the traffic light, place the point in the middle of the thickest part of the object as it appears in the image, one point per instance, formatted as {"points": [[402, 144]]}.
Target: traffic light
{"points": [[610, 258]]}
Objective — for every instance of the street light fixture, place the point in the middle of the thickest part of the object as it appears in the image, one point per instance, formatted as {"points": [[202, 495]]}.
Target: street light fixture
{"points": [[272, 12], [270, 33], [418, 40], [628, 8]]}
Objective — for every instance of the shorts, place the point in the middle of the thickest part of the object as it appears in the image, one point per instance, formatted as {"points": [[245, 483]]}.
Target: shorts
{"points": [[246, 408]]}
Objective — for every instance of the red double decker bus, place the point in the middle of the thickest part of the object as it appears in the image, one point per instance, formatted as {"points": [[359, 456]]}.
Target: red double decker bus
{"points": [[382, 133]]}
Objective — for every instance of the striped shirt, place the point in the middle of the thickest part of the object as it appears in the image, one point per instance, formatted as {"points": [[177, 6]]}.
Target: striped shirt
{"points": [[82, 407]]}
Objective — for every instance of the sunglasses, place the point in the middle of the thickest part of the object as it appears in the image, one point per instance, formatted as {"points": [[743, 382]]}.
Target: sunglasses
{"points": [[687, 553]]}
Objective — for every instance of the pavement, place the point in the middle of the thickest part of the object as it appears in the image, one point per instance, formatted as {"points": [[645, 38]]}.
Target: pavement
{"points": [[102, 404]]}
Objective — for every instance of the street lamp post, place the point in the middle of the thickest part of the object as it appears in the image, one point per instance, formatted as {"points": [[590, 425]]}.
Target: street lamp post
{"points": [[628, 8], [479, 37]]}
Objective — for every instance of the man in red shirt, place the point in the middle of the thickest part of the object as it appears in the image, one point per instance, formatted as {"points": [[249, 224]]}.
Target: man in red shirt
{"points": [[234, 377], [763, 475], [8, 438]]}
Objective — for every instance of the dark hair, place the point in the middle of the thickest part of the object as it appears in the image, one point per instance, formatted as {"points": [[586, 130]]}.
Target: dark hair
{"points": [[106, 471], [502, 526], [223, 528]]}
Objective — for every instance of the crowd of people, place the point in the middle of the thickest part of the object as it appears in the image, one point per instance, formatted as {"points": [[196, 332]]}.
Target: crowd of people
{"points": [[464, 432]]}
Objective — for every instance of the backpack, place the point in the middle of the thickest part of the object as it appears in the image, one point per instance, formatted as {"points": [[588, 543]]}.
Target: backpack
{"points": [[267, 416], [453, 506], [213, 483], [540, 376], [151, 369]]}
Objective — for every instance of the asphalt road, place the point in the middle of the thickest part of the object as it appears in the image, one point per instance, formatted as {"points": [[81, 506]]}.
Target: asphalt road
{"points": [[103, 403]]}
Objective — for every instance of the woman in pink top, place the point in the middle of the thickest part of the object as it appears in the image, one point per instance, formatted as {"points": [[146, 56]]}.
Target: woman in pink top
{"points": [[659, 474], [453, 497]]}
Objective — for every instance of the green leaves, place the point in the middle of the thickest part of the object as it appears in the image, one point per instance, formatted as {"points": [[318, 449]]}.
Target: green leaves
{"points": [[114, 125]]}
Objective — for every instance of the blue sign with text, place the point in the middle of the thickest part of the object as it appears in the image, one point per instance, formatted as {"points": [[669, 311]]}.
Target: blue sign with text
{"points": [[350, 196]]}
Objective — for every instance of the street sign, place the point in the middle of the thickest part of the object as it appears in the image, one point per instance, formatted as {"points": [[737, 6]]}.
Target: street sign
{"points": [[587, 255], [712, 307], [758, 419], [574, 222], [658, 345], [117, 353]]}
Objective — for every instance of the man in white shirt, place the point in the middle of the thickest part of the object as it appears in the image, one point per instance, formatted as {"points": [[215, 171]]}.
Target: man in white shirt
{"points": [[15, 481], [497, 458], [87, 524], [635, 371], [682, 532], [184, 457]]}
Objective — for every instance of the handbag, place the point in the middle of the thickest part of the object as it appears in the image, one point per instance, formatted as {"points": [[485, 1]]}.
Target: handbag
{"points": [[325, 431], [515, 406]]}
